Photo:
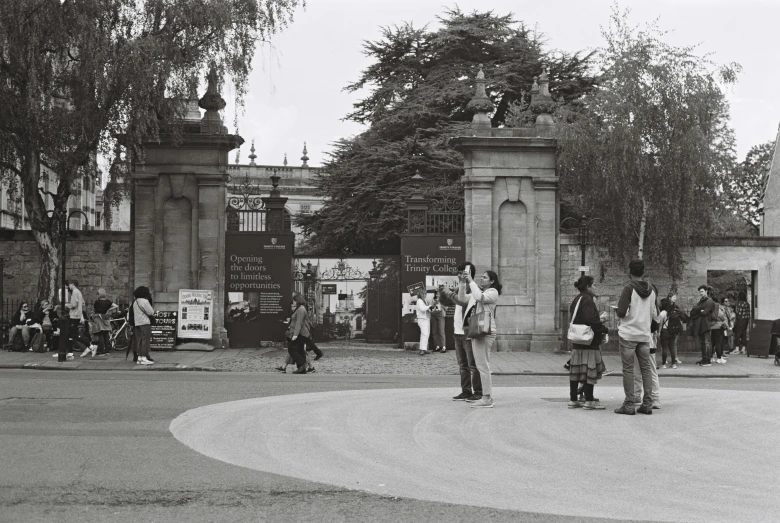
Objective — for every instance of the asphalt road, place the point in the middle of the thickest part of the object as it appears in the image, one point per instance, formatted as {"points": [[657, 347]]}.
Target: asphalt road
{"points": [[98, 447]]}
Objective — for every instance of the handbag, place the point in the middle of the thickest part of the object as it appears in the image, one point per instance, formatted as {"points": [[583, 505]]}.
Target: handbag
{"points": [[579, 334], [479, 324]]}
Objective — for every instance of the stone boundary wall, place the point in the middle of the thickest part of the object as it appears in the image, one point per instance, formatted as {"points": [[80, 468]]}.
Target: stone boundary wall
{"points": [[95, 258], [760, 254]]}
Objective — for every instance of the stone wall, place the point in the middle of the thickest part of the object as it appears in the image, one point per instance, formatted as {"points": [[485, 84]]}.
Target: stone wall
{"points": [[96, 259], [760, 255]]}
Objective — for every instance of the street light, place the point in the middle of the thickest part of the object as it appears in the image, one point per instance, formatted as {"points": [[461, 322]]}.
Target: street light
{"points": [[63, 220], [584, 235]]}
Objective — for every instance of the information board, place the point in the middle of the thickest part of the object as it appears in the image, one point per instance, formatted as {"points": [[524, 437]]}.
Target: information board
{"points": [[328, 288], [195, 313], [164, 324], [259, 286]]}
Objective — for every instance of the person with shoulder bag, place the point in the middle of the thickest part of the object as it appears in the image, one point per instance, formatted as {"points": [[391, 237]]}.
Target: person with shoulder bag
{"points": [[142, 312], [586, 331], [481, 321]]}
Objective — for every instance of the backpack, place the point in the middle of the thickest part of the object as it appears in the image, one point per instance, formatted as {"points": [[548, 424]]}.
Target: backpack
{"points": [[37, 342], [17, 344], [674, 323]]}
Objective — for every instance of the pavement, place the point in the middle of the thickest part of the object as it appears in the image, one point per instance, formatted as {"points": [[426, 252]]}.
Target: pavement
{"points": [[364, 358]]}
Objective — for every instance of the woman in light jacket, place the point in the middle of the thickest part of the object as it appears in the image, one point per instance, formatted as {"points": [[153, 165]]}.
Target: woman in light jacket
{"points": [[142, 311], [485, 294], [423, 311]]}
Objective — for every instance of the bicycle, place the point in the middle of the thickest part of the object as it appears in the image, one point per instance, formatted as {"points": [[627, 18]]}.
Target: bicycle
{"points": [[119, 337]]}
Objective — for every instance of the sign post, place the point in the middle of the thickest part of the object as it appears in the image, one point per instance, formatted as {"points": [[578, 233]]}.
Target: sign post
{"points": [[164, 324]]}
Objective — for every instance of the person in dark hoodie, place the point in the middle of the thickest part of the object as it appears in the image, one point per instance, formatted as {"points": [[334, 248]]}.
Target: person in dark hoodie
{"points": [[701, 316], [636, 309]]}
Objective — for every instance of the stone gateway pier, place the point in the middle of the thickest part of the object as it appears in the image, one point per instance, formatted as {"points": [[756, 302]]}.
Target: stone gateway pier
{"points": [[512, 215]]}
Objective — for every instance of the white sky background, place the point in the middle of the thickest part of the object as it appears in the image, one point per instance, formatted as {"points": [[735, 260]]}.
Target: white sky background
{"points": [[295, 92]]}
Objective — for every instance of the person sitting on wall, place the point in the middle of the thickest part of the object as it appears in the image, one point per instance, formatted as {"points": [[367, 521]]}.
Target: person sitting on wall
{"points": [[20, 324]]}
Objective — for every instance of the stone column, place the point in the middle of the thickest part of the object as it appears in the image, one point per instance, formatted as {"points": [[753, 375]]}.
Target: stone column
{"points": [[178, 215], [512, 214]]}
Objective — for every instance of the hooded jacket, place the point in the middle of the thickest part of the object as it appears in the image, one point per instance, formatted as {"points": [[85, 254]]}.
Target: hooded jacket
{"points": [[636, 310]]}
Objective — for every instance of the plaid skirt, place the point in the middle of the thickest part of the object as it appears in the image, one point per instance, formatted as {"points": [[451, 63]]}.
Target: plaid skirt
{"points": [[586, 365]]}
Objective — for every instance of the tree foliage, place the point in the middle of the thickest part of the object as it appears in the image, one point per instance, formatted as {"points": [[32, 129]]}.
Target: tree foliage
{"points": [[74, 74], [419, 85], [743, 191], [648, 147]]}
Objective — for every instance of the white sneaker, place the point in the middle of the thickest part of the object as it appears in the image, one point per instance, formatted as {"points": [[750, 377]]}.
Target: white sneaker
{"points": [[144, 361], [482, 404], [664, 366], [69, 356], [720, 360]]}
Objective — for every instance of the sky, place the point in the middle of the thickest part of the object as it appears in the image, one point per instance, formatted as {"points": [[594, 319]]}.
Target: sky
{"points": [[296, 88]]}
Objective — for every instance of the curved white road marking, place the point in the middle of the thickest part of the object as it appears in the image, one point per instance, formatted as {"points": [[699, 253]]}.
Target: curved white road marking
{"points": [[707, 455]]}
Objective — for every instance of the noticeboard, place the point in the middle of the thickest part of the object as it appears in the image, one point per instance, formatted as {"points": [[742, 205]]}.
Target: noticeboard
{"points": [[195, 314], [164, 326]]}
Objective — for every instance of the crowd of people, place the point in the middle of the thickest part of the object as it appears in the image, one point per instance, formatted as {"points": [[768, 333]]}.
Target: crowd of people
{"points": [[41, 329]]}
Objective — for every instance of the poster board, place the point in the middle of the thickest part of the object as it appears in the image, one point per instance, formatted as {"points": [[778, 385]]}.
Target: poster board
{"points": [[164, 325], [195, 314], [762, 342]]}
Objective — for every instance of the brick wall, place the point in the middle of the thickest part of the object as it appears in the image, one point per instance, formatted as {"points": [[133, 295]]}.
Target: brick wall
{"points": [[95, 259]]}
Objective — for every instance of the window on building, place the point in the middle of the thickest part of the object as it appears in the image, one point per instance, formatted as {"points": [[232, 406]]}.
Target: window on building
{"points": [[98, 223]]}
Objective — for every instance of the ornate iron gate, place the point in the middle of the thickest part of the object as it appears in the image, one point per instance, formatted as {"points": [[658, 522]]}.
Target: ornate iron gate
{"points": [[366, 304]]}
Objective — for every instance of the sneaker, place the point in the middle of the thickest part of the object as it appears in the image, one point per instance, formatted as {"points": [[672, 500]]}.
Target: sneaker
{"points": [[664, 366], [645, 409], [483, 403], [462, 396], [674, 365], [474, 397], [144, 361], [424, 353], [69, 356], [575, 404], [311, 369], [625, 409], [593, 405], [677, 361], [720, 360], [656, 405], [443, 350], [703, 364]]}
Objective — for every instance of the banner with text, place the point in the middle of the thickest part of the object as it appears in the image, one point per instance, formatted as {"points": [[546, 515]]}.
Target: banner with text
{"points": [[259, 286], [430, 260]]}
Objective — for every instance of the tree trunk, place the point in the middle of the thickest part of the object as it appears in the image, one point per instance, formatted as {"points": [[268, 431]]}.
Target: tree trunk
{"points": [[642, 229], [48, 283]]}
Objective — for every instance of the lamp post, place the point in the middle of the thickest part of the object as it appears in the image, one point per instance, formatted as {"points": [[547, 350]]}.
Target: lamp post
{"points": [[63, 219], [583, 234]]}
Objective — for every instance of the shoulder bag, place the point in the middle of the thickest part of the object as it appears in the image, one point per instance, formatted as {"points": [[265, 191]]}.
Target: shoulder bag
{"points": [[579, 334], [479, 323]]}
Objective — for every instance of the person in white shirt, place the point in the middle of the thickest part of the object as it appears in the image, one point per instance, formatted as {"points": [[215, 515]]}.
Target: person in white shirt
{"points": [[470, 382], [423, 311], [75, 308]]}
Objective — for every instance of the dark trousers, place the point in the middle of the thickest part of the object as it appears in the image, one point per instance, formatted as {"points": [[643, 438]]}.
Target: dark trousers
{"points": [[104, 342], [73, 335], [740, 333], [668, 346], [296, 350], [717, 341], [310, 345], [142, 337], [705, 344], [470, 382]]}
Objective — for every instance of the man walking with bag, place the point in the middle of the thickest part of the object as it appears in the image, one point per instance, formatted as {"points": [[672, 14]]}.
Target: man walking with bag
{"points": [[636, 309]]}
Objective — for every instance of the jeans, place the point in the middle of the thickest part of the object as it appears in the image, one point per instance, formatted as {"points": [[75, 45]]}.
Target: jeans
{"points": [[470, 382], [425, 332], [24, 329], [668, 346], [482, 347], [437, 329], [705, 344], [641, 351], [655, 389], [718, 338], [740, 333]]}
